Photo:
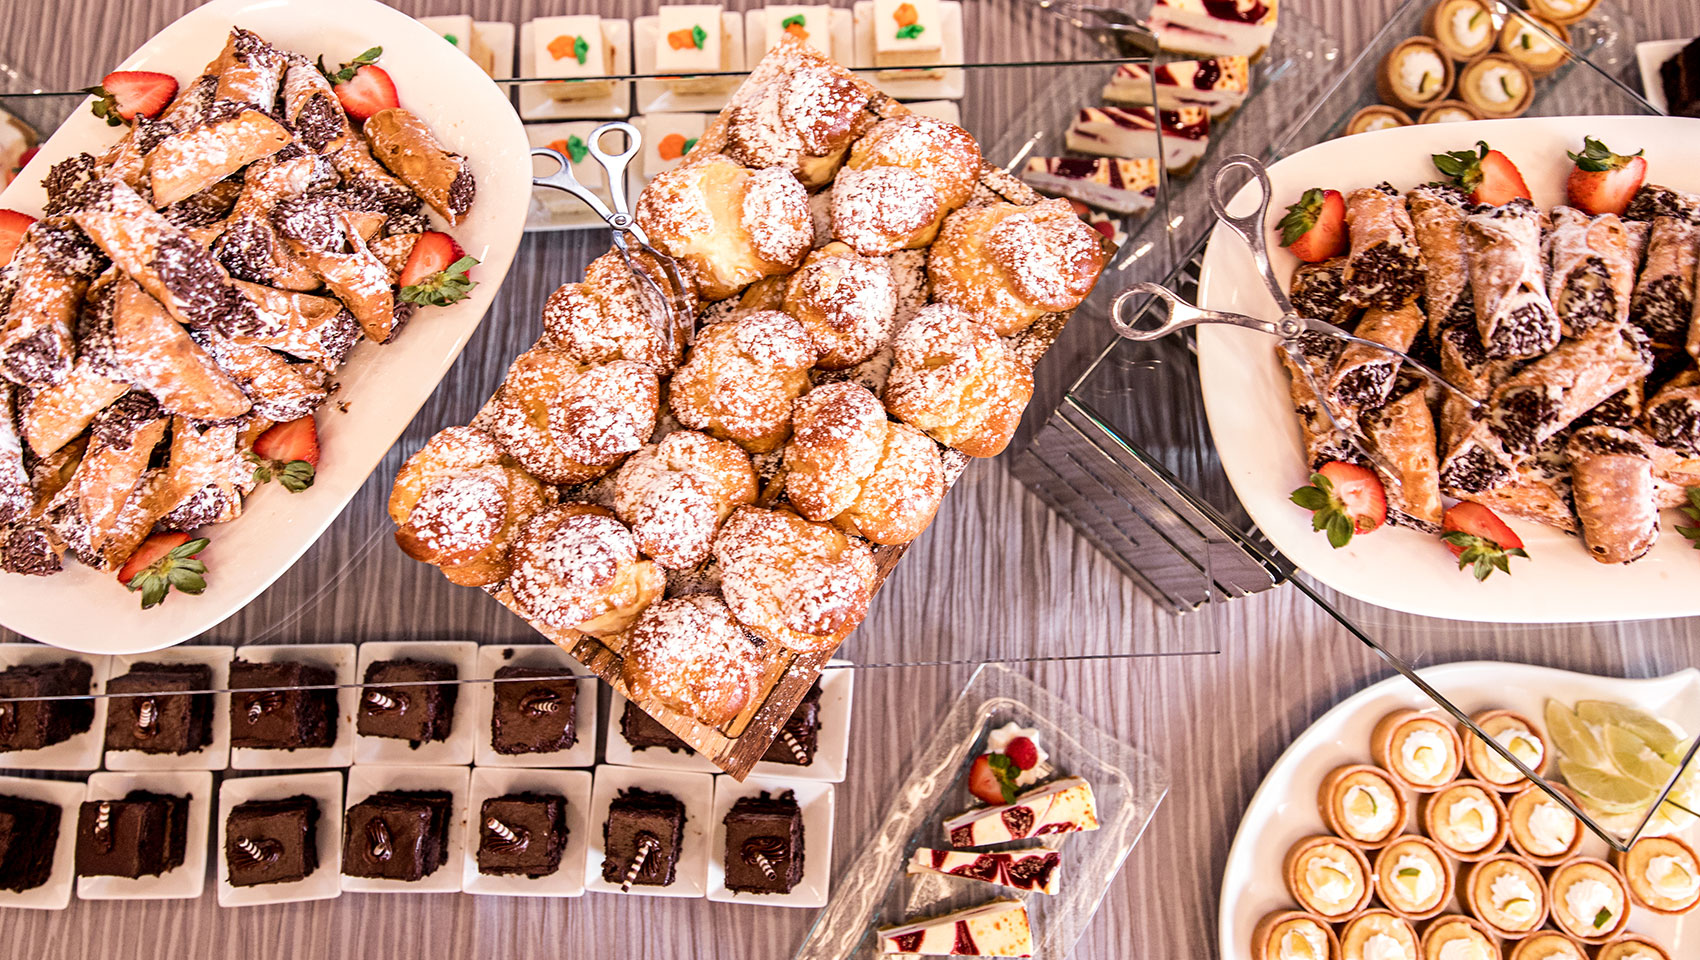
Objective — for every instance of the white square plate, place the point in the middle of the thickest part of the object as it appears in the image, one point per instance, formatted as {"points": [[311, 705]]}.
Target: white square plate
{"points": [[457, 749], [534, 104], [817, 801], [365, 781], [80, 751], [338, 657], [545, 656], [55, 894], [325, 882], [832, 743], [184, 882], [653, 96], [841, 26], [490, 782], [950, 86], [213, 756], [1650, 55], [694, 790], [498, 35], [617, 749], [553, 209]]}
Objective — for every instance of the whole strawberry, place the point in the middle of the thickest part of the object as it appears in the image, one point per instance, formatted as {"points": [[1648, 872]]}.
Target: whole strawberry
{"points": [[1314, 229], [1602, 181], [1487, 175], [1344, 499]]}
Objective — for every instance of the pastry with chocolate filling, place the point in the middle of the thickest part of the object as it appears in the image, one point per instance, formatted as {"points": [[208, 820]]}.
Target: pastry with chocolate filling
{"points": [[1384, 268], [1611, 472], [272, 841], [642, 838], [1364, 376], [799, 737], [534, 710], [416, 701], [764, 844], [50, 271], [522, 834], [405, 145], [31, 724], [90, 511], [1513, 314], [144, 834], [397, 834], [1591, 269], [1318, 291], [331, 240], [29, 834], [274, 718], [1403, 432], [1663, 302], [151, 710], [1672, 415]]}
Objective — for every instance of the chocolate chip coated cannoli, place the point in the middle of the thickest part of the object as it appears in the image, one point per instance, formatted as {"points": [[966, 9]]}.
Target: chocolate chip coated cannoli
{"points": [[1590, 270], [406, 147], [1384, 268], [1437, 214], [1615, 498], [1513, 315], [1363, 376], [1672, 416], [1663, 302], [1403, 433]]}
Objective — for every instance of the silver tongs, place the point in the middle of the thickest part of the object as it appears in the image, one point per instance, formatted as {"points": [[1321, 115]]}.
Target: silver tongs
{"points": [[669, 308], [1112, 26]]}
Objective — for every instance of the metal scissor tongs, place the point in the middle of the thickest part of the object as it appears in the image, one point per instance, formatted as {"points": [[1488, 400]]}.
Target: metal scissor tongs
{"points": [[670, 309], [1113, 26]]}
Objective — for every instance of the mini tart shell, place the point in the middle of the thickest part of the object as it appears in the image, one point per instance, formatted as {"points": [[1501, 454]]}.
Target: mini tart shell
{"points": [[1389, 90], [1554, 898], [1502, 826], [1616, 949], [1335, 783], [1540, 68], [1389, 855], [1475, 751], [1545, 945], [1490, 112], [1265, 930], [1377, 918], [1440, 925], [1467, 893], [1387, 730], [1547, 10], [1291, 873], [1435, 109], [1439, 26], [1627, 864], [1517, 808], [1373, 111]]}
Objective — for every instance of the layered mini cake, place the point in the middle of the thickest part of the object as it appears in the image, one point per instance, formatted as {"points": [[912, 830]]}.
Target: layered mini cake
{"points": [[641, 838], [419, 708], [1177, 137], [1379, 935], [153, 723], [1457, 937], [1363, 804], [810, 24], [693, 39], [278, 719], [522, 834], [669, 138], [144, 834], [1467, 819], [1114, 184], [462, 33], [908, 34], [1517, 735], [1590, 900], [1541, 829], [764, 844], [1663, 874], [1037, 869], [1213, 28], [29, 831], [33, 724], [1421, 752], [530, 714], [272, 841], [996, 929], [1294, 935], [1507, 893], [397, 834], [576, 49], [799, 738], [1328, 877], [1413, 877], [1218, 85]]}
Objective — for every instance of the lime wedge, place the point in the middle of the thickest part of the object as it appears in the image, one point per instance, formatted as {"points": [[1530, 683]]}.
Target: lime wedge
{"points": [[1605, 791], [1679, 753], [1574, 740], [1636, 759], [1602, 713]]}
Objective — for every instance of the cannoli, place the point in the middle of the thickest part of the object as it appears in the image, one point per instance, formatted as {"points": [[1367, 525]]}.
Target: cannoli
{"points": [[312, 110], [208, 475], [1538, 489], [307, 327], [1590, 270], [87, 512], [280, 390], [1465, 364], [203, 215], [1663, 303], [1363, 376], [1615, 499], [50, 473], [249, 247], [230, 136], [16, 495], [51, 417], [1672, 417], [1437, 215], [1403, 433], [1323, 440], [53, 268], [31, 549], [368, 186], [327, 240], [1318, 291], [1513, 315], [1384, 268], [157, 355], [405, 146], [249, 70], [1653, 201]]}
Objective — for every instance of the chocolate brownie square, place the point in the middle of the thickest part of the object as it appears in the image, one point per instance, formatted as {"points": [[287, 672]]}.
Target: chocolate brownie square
{"points": [[272, 841], [643, 731], [800, 736], [276, 719], [522, 833], [656, 820], [160, 724], [144, 834], [33, 724], [764, 844], [421, 709], [29, 830], [397, 834], [539, 716]]}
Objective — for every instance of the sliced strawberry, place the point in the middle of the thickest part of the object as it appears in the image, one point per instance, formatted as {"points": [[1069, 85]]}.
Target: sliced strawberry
{"points": [[1024, 753], [369, 91], [126, 94], [436, 271], [992, 778], [291, 440], [149, 553], [1602, 181], [1479, 539], [1487, 175], [1344, 499], [164, 561], [1314, 229], [12, 227]]}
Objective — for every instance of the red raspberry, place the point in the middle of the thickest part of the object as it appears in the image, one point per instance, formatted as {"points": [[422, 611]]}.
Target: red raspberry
{"points": [[1023, 753]]}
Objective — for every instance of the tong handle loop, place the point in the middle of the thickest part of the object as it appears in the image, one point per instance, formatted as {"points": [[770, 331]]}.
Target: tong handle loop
{"points": [[564, 180], [1251, 226], [615, 164], [1182, 315]]}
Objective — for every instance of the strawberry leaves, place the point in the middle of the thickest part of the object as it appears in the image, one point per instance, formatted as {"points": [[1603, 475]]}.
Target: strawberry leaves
{"points": [[447, 286], [1692, 512], [1481, 555], [1301, 216], [177, 569], [346, 72], [294, 476], [1006, 772], [1596, 157], [1328, 511], [1463, 166]]}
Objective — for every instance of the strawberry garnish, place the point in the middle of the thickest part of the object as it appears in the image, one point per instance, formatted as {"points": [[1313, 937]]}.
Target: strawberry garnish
{"points": [[1479, 539], [1314, 229], [362, 88], [1602, 181], [435, 272], [12, 227], [125, 94], [1487, 175], [1692, 512], [992, 778], [1344, 499], [1024, 753], [289, 452], [164, 561]]}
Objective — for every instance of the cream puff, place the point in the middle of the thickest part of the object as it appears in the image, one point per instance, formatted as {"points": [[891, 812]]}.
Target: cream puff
{"points": [[1379, 935], [1497, 86], [1294, 935], [1663, 874], [1421, 752], [1414, 74], [1513, 732], [1467, 819], [1413, 877], [1507, 893], [1363, 804], [1329, 877], [1590, 899], [1457, 937], [1541, 829]]}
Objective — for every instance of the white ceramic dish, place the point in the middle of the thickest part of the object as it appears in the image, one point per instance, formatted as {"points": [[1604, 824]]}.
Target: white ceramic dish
{"points": [[324, 883], [1283, 810], [365, 781], [1257, 434], [553, 209], [83, 609], [841, 26], [79, 751], [55, 894], [816, 800], [1650, 55], [534, 104], [183, 882], [457, 748], [616, 749], [953, 83], [213, 756], [545, 656], [568, 881], [694, 790], [653, 96], [338, 657]]}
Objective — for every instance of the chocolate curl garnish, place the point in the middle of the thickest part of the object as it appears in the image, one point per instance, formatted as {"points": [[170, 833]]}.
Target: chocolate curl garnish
{"points": [[147, 719], [103, 825], [646, 844], [540, 702], [378, 835], [507, 838], [262, 704], [796, 747], [760, 852], [265, 851], [377, 701]]}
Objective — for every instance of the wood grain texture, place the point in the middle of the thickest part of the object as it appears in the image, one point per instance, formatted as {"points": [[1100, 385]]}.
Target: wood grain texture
{"points": [[997, 575]]}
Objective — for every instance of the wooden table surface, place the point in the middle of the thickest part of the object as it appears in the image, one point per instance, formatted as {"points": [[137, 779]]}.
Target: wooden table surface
{"points": [[997, 572]]}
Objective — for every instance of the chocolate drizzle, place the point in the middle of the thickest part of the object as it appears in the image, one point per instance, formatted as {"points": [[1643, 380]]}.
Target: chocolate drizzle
{"points": [[264, 850], [378, 839]]}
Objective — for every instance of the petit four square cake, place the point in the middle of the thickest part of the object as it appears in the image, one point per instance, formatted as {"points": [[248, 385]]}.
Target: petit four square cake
{"points": [[144, 834], [420, 709], [692, 38], [907, 33], [764, 844], [272, 841], [1021, 869], [809, 23], [460, 31], [643, 731], [1133, 132], [1061, 806], [397, 834], [29, 830], [533, 715], [276, 719], [995, 929], [1218, 85], [669, 138], [800, 736], [522, 833], [650, 823], [160, 724], [573, 48], [1212, 28], [1122, 186], [33, 724]]}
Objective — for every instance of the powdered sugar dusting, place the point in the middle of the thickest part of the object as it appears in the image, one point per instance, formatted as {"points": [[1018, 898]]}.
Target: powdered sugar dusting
{"points": [[776, 215], [565, 564], [675, 494], [1052, 257], [690, 654], [802, 584], [882, 210], [838, 436], [847, 304]]}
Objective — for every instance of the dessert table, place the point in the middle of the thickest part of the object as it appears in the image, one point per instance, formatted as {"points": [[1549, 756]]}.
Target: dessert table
{"points": [[998, 574]]}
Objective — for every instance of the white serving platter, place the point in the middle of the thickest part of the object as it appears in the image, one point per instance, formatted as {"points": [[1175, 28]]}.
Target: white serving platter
{"points": [[55, 894], [82, 609], [364, 781], [213, 756], [337, 657], [1650, 55], [694, 790], [325, 882], [1257, 434], [534, 104], [816, 800], [490, 782], [543, 656], [80, 751], [183, 882], [456, 748], [1284, 809]]}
